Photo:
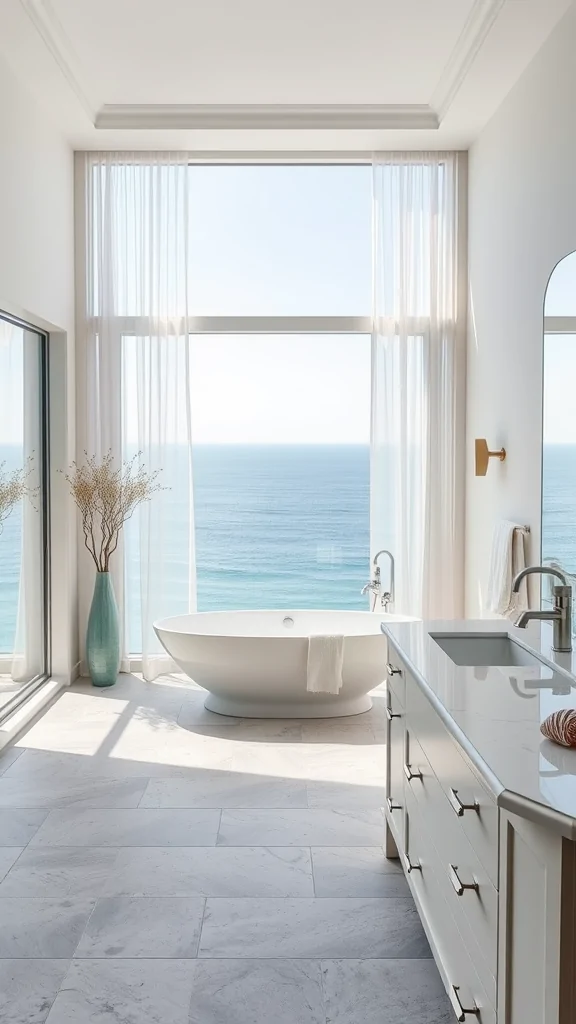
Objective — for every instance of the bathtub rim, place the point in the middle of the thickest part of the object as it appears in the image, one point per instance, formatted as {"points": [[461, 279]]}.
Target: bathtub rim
{"points": [[162, 625]]}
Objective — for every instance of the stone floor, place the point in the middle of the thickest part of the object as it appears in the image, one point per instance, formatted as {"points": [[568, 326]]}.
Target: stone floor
{"points": [[163, 865]]}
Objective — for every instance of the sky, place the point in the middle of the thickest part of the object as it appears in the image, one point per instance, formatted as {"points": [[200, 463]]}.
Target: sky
{"points": [[560, 358], [283, 389], [291, 241], [277, 241]]}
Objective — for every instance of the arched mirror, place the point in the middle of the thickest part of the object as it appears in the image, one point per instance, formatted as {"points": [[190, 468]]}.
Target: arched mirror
{"points": [[559, 433]]}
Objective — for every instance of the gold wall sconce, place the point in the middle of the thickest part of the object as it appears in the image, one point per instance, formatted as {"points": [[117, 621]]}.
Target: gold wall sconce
{"points": [[483, 455]]}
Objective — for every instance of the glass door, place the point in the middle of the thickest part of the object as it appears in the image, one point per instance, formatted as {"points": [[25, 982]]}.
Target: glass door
{"points": [[24, 655]]}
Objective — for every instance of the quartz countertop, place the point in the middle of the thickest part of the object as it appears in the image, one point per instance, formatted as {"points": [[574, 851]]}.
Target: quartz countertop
{"points": [[494, 713]]}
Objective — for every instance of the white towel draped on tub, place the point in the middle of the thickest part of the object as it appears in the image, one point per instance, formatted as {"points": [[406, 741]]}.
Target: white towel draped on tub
{"points": [[325, 661], [508, 558]]}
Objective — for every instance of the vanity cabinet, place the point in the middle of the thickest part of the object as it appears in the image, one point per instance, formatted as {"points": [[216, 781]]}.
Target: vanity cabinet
{"points": [[496, 892]]}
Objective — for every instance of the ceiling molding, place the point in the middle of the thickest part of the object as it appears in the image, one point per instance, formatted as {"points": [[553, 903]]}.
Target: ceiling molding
{"points": [[482, 17], [470, 41], [266, 116], [49, 28]]}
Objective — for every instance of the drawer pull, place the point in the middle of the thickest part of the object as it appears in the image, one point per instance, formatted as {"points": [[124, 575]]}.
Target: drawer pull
{"points": [[391, 805], [461, 1011], [392, 714], [458, 807], [459, 886], [392, 670], [409, 865], [411, 774]]}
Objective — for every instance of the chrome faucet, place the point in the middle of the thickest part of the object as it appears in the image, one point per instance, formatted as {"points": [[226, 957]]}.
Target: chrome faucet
{"points": [[561, 614], [375, 584]]}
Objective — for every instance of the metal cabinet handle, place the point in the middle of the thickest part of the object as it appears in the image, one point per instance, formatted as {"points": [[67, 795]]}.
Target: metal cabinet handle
{"points": [[391, 805], [410, 774], [458, 807], [392, 714], [461, 1011], [409, 865], [458, 885], [392, 670]]}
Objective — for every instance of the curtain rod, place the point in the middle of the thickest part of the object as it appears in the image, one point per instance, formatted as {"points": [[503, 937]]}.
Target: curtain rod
{"points": [[358, 158]]}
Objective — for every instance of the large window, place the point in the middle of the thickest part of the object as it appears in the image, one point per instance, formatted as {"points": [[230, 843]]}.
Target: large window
{"points": [[280, 296], [559, 433], [228, 312], [23, 527]]}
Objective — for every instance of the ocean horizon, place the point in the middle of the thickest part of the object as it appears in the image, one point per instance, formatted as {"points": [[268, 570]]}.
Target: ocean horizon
{"points": [[279, 526]]}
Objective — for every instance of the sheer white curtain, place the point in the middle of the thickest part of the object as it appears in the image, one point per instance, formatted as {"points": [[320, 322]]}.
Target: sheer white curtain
{"points": [[136, 378], [415, 504]]}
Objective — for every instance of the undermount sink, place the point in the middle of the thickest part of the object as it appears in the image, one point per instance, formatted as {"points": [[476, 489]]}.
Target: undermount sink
{"points": [[477, 650]]}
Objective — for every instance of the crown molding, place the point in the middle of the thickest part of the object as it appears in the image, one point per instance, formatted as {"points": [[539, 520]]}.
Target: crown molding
{"points": [[266, 116], [49, 28], [482, 17]]}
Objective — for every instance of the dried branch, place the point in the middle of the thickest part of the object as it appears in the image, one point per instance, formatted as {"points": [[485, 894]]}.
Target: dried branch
{"points": [[106, 497], [14, 487]]}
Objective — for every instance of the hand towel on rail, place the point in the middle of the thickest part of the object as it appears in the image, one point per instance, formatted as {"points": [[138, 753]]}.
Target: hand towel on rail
{"points": [[507, 559], [325, 661]]}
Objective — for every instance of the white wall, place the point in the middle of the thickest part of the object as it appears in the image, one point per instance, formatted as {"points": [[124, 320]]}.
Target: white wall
{"points": [[37, 283], [522, 220]]}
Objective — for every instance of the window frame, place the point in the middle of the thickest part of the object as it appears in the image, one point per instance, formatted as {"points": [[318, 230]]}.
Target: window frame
{"points": [[118, 327], [26, 691]]}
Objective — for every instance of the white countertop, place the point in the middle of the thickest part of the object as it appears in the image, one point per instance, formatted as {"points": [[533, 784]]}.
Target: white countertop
{"points": [[494, 713]]}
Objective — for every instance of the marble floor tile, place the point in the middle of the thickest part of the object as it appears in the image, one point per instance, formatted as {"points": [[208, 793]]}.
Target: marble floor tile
{"points": [[225, 789], [356, 871], [74, 738], [60, 871], [364, 827], [124, 992], [336, 730], [258, 729], [312, 928], [77, 708], [28, 988], [8, 856], [314, 762], [343, 795], [211, 871], [69, 790], [262, 991], [130, 827], [126, 926], [18, 826], [52, 769], [35, 928], [8, 755], [390, 991]]}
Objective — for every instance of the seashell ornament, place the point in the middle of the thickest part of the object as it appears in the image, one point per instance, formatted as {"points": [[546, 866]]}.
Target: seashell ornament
{"points": [[560, 727]]}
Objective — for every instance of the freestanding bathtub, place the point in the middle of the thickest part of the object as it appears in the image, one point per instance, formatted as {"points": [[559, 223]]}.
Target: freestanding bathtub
{"points": [[253, 663]]}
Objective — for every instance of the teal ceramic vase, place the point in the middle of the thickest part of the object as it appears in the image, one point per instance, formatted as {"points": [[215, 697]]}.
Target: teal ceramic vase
{"points": [[103, 634]]}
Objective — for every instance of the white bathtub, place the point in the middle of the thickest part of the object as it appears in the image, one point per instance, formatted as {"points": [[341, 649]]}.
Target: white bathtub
{"points": [[253, 663]]}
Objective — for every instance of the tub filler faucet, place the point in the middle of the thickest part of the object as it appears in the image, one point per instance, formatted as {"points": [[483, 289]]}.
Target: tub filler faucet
{"points": [[561, 613], [374, 586]]}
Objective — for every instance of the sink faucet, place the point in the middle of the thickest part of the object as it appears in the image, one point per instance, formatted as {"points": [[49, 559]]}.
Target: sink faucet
{"points": [[561, 614], [375, 584]]}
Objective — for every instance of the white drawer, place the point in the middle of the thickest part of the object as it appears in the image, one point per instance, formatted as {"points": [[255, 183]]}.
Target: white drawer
{"points": [[471, 803], [395, 757], [396, 676], [475, 910], [455, 963]]}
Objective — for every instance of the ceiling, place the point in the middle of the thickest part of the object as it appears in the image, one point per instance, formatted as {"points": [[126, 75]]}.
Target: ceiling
{"points": [[269, 75]]}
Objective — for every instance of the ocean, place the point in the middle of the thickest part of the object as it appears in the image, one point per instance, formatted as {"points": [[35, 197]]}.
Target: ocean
{"points": [[280, 526], [277, 526]]}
